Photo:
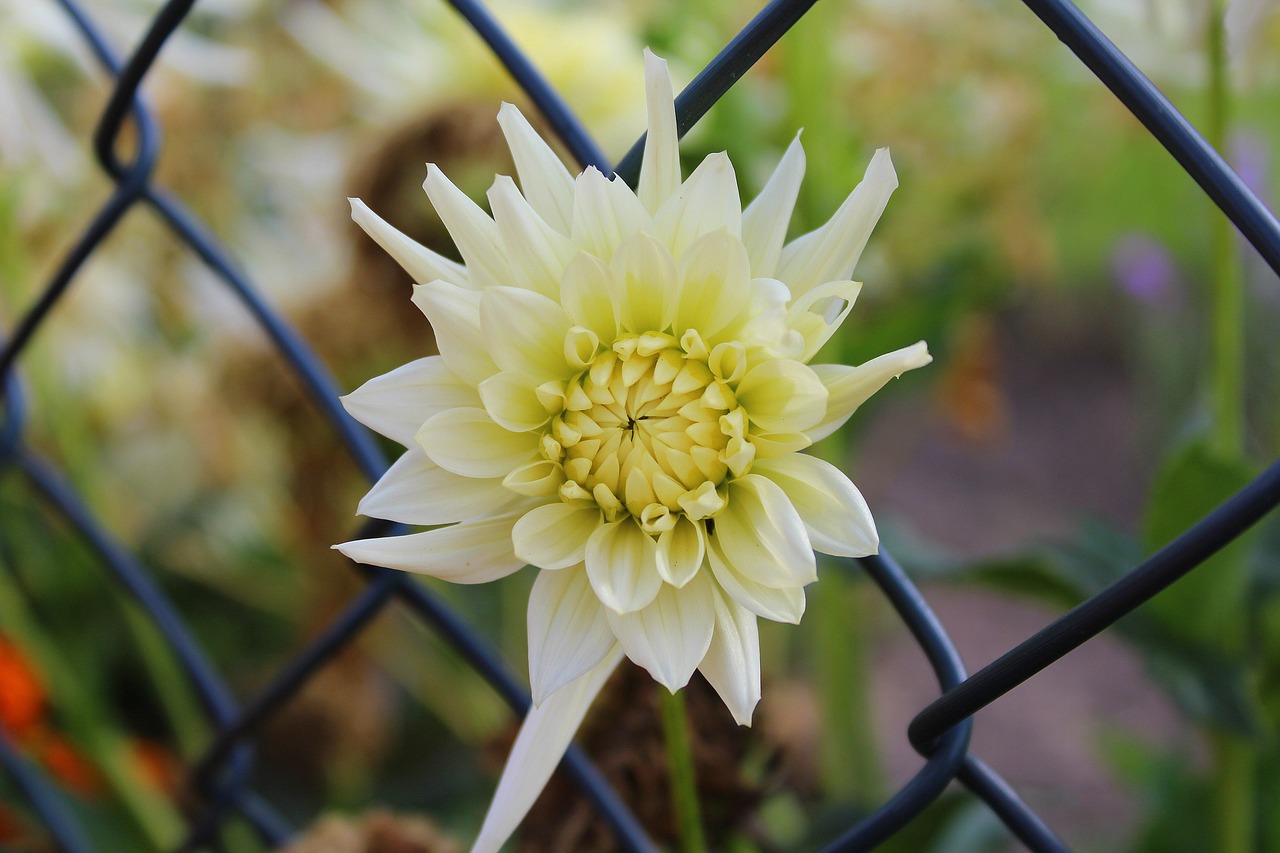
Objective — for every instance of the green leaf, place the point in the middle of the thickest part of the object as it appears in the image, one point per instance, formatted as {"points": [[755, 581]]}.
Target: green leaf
{"points": [[1206, 608]]}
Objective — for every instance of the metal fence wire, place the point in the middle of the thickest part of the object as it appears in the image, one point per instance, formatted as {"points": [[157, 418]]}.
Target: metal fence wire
{"points": [[222, 777]]}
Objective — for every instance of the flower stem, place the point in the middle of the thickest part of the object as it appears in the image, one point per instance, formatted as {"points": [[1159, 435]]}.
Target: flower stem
{"points": [[1235, 780], [684, 788], [1234, 796], [1227, 381]]}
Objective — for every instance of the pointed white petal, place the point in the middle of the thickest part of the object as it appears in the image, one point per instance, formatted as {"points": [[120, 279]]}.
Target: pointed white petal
{"points": [[417, 260], [781, 395], [831, 252], [660, 167], [545, 181], [417, 491], [544, 736], [681, 551], [850, 387], [765, 221], [816, 314], [706, 202], [622, 563], [646, 273], [605, 213], [538, 253], [778, 604], [474, 233], [454, 313], [476, 551], [525, 332], [587, 294], [568, 631], [555, 536], [761, 534], [715, 277], [732, 664], [398, 403], [468, 442], [835, 514], [512, 402], [670, 636]]}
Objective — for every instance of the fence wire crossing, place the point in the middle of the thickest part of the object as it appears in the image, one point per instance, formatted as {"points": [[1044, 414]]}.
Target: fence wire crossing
{"points": [[221, 778]]}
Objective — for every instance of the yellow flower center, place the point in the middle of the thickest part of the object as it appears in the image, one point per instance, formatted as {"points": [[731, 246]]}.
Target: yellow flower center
{"points": [[650, 428]]}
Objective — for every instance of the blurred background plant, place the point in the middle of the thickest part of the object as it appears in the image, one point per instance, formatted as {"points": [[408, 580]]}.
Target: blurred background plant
{"points": [[1105, 372]]}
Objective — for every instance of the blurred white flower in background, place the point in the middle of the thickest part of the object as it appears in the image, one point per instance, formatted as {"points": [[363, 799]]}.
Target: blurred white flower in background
{"points": [[408, 58]]}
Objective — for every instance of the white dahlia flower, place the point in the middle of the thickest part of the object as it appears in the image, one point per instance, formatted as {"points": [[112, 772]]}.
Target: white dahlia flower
{"points": [[620, 397]]}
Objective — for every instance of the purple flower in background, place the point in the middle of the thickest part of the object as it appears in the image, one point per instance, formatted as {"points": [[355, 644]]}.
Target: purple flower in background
{"points": [[1146, 270], [1251, 159]]}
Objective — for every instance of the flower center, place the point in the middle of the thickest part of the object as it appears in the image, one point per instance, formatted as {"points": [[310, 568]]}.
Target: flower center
{"points": [[649, 428]]}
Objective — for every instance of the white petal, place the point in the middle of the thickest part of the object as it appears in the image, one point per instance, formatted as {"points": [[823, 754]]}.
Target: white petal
{"points": [[474, 233], [468, 442], [715, 278], [537, 252], [605, 212], [835, 514], [398, 403], [849, 387], [765, 221], [555, 536], [817, 313], [476, 551], [525, 332], [587, 294], [544, 736], [778, 604], [512, 402], [417, 260], [568, 631], [764, 322], [545, 181], [706, 202], [454, 313], [417, 491], [732, 664], [761, 534], [646, 273], [660, 167], [781, 395], [681, 551], [670, 636], [831, 252], [622, 563]]}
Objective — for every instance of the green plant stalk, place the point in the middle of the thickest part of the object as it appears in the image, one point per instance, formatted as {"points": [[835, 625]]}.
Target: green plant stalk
{"points": [[170, 683], [684, 787], [1235, 782], [808, 69], [1227, 360], [851, 770], [1235, 794], [156, 818]]}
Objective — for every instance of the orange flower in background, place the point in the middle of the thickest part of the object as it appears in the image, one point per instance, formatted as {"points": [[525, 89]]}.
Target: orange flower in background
{"points": [[65, 763], [22, 695], [23, 715]]}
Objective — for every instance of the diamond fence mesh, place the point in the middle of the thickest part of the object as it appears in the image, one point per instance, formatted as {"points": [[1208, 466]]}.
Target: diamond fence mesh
{"points": [[221, 780]]}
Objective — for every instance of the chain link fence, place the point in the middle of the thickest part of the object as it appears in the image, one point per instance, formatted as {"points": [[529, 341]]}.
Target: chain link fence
{"points": [[221, 779]]}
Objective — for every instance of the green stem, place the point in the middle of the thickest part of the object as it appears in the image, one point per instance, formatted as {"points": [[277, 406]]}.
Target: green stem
{"points": [[1227, 360], [851, 769], [1234, 801], [684, 788]]}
